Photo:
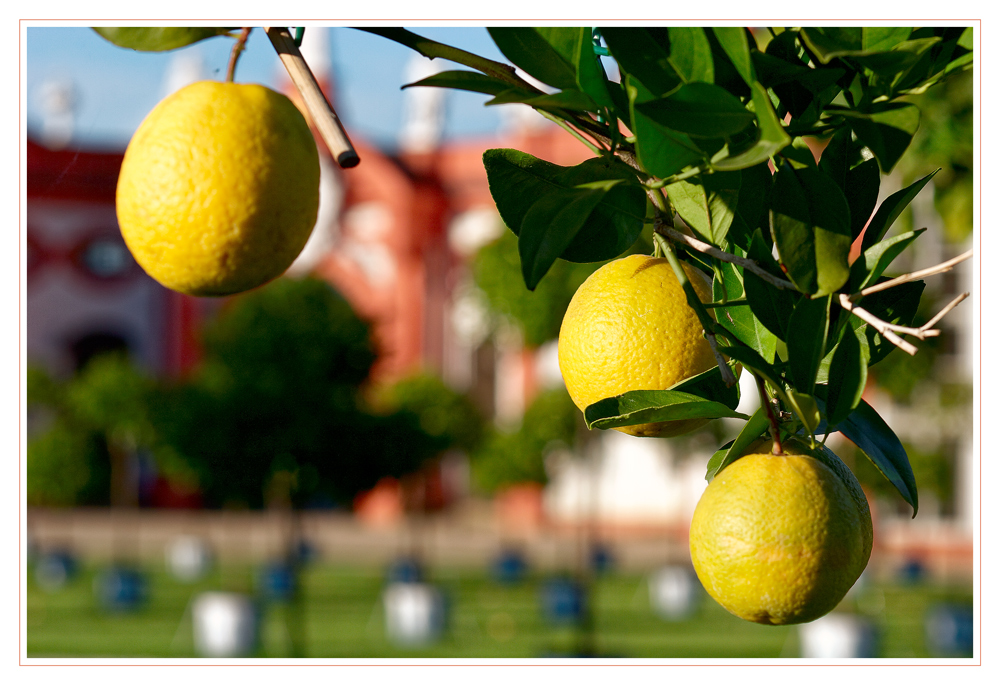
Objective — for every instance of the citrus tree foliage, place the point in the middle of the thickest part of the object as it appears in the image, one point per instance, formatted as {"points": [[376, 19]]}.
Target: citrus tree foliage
{"points": [[704, 130], [701, 132]]}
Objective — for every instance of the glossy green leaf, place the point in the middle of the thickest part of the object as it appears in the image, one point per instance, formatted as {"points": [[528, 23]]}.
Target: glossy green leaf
{"points": [[830, 42], [806, 342], [570, 99], [861, 190], [661, 151], [471, 81], [772, 306], [707, 203], [751, 432], [876, 259], [699, 109], [740, 319], [643, 54], [691, 54], [890, 209], [811, 226], [771, 137], [897, 305], [882, 38], [158, 38], [804, 406], [518, 180], [539, 52], [709, 385], [844, 388], [866, 429], [652, 406], [733, 40], [887, 131], [550, 225]]}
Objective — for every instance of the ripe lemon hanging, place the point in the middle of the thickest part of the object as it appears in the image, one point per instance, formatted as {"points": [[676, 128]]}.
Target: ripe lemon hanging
{"points": [[629, 327], [219, 188], [781, 539]]}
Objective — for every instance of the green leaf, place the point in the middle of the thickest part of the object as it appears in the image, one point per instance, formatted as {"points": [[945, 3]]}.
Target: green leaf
{"points": [[887, 130], [772, 306], [644, 55], [158, 38], [709, 385], [471, 81], [861, 191], [829, 43], [808, 326], [733, 40], [844, 388], [699, 109], [653, 406], [881, 38], [661, 151], [570, 99], [866, 429], [811, 226], [897, 305], [518, 180], [890, 210], [752, 430], [805, 408], [707, 203], [550, 225], [691, 54], [541, 52], [740, 319], [877, 258], [771, 137]]}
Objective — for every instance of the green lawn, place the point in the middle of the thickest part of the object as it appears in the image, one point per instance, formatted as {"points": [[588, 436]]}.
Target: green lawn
{"points": [[342, 617]]}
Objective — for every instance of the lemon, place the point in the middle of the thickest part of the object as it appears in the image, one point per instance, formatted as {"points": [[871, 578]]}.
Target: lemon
{"points": [[629, 327], [219, 188], [781, 539]]}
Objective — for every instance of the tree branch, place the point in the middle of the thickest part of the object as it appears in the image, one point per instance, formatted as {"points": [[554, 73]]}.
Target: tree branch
{"points": [[886, 329], [712, 251], [905, 278]]}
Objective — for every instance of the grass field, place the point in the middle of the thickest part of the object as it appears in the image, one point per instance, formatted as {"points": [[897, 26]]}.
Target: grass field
{"points": [[341, 616]]}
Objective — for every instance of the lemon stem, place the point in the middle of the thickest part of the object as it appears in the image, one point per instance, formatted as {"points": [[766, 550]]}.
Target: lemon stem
{"points": [[234, 56], [765, 401]]}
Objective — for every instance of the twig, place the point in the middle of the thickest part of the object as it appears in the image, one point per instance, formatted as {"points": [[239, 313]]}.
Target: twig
{"points": [[324, 117], [727, 373], [572, 131], [951, 305], [712, 251], [886, 329], [905, 278]]}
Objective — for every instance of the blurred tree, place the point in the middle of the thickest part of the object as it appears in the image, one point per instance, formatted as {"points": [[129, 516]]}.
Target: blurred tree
{"points": [[275, 414], [507, 458], [96, 421], [447, 416]]}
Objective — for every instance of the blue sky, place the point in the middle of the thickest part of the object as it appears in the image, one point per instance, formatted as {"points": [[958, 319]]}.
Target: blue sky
{"points": [[116, 88]]}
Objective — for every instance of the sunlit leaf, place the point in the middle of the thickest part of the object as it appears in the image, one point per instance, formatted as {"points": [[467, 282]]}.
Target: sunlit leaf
{"points": [[158, 38]]}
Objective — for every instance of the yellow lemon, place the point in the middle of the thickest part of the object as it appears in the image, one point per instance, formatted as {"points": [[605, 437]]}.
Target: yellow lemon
{"points": [[629, 327], [219, 188], [781, 539]]}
